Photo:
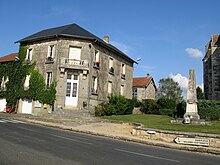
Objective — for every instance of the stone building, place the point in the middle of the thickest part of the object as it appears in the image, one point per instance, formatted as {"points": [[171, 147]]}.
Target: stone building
{"points": [[211, 69], [86, 68], [144, 88]]}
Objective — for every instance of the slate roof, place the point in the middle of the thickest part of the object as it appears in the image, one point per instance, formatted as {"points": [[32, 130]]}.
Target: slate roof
{"points": [[73, 31], [9, 57], [142, 81]]}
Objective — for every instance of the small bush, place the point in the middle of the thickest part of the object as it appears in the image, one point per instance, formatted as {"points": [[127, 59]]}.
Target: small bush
{"points": [[117, 105], [165, 103], [209, 110], [149, 106], [181, 109], [102, 110], [136, 102], [168, 112]]}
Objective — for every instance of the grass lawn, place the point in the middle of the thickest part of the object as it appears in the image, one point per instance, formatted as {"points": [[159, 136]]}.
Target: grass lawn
{"points": [[163, 122]]}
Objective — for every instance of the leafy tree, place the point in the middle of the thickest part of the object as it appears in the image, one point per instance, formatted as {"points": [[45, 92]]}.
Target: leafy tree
{"points": [[200, 94], [170, 89]]}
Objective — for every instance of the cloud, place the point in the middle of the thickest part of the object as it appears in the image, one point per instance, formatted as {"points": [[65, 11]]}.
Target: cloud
{"points": [[182, 80], [123, 47], [195, 53], [183, 83]]}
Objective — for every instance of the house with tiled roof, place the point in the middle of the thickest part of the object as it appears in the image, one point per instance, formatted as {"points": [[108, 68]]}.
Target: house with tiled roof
{"points": [[144, 88], [9, 57], [3, 80], [87, 69]]}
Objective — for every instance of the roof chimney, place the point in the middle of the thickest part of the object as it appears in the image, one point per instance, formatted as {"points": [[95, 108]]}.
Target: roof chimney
{"points": [[106, 38]]}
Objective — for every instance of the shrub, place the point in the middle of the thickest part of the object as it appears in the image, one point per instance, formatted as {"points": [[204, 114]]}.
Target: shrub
{"points": [[117, 105], [102, 110], [165, 103], [181, 109], [149, 106], [136, 102], [209, 110], [168, 112]]}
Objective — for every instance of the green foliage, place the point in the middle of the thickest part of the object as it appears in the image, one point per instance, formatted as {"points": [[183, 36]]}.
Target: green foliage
{"points": [[102, 110], [181, 109], [200, 94], [16, 72], [166, 103], [209, 110], [135, 102], [149, 106], [117, 105], [168, 112], [170, 89]]}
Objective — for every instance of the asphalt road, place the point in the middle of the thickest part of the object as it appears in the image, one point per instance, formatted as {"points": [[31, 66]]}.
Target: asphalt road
{"points": [[24, 144]]}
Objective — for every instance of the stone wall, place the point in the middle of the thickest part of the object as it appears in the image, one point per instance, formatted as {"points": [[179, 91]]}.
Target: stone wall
{"points": [[148, 92], [169, 136]]}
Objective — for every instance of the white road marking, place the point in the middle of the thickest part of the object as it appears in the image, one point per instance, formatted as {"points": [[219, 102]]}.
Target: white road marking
{"points": [[10, 121], [145, 155], [66, 138]]}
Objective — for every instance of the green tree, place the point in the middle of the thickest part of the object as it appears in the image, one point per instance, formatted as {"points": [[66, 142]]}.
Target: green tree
{"points": [[170, 89], [200, 94]]}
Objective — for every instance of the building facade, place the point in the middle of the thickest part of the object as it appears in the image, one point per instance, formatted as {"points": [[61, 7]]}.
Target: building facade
{"points": [[86, 68], [144, 88], [211, 69]]}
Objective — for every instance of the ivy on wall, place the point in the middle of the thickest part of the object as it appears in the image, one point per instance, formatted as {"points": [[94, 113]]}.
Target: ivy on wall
{"points": [[16, 72]]}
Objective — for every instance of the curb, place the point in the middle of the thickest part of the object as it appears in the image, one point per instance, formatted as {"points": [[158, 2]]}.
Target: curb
{"points": [[135, 140]]}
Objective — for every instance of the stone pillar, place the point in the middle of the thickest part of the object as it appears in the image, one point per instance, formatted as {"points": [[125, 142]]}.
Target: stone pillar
{"points": [[191, 106]]}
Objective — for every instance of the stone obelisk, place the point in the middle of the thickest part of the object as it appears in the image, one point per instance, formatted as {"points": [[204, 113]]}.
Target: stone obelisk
{"points": [[191, 106]]}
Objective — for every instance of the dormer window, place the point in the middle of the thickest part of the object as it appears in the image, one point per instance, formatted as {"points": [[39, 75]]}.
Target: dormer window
{"points": [[29, 55]]}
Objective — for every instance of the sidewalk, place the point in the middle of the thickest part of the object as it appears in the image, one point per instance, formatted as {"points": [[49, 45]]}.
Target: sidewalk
{"points": [[88, 124]]}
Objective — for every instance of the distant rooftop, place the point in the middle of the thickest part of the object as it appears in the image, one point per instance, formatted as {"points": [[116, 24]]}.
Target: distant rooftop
{"points": [[9, 57], [142, 81]]}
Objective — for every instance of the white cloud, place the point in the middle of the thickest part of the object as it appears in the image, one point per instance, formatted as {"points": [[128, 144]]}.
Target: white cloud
{"points": [[182, 80], [123, 47], [195, 53]]}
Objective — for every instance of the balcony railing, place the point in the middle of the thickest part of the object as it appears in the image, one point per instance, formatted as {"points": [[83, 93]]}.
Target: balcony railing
{"points": [[74, 64]]}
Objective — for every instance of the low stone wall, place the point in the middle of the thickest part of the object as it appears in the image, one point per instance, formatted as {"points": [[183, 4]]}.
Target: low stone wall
{"points": [[170, 136]]}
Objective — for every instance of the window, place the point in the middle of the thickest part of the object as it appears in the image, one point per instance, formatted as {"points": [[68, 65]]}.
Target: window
{"points": [[109, 88], [97, 59], [48, 79], [122, 90], [123, 71], [134, 92], [26, 83], [3, 82], [29, 55], [50, 53], [111, 66], [94, 85]]}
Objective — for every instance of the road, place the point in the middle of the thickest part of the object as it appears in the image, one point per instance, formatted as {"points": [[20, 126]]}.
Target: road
{"points": [[23, 144]]}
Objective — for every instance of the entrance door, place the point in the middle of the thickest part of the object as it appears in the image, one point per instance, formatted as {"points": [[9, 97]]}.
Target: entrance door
{"points": [[72, 90], [27, 107]]}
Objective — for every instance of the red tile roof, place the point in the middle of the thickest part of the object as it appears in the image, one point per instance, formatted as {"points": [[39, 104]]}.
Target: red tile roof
{"points": [[141, 81], [10, 57]]}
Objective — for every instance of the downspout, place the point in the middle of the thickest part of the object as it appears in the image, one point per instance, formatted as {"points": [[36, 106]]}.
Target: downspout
{"points": [[89, 76]]}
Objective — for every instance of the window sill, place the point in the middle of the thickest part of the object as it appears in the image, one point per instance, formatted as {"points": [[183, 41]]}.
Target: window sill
{"points": [[96, 67]]}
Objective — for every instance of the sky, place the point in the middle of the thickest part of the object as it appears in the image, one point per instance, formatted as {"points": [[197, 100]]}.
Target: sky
{"points": [[168, 35]]}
